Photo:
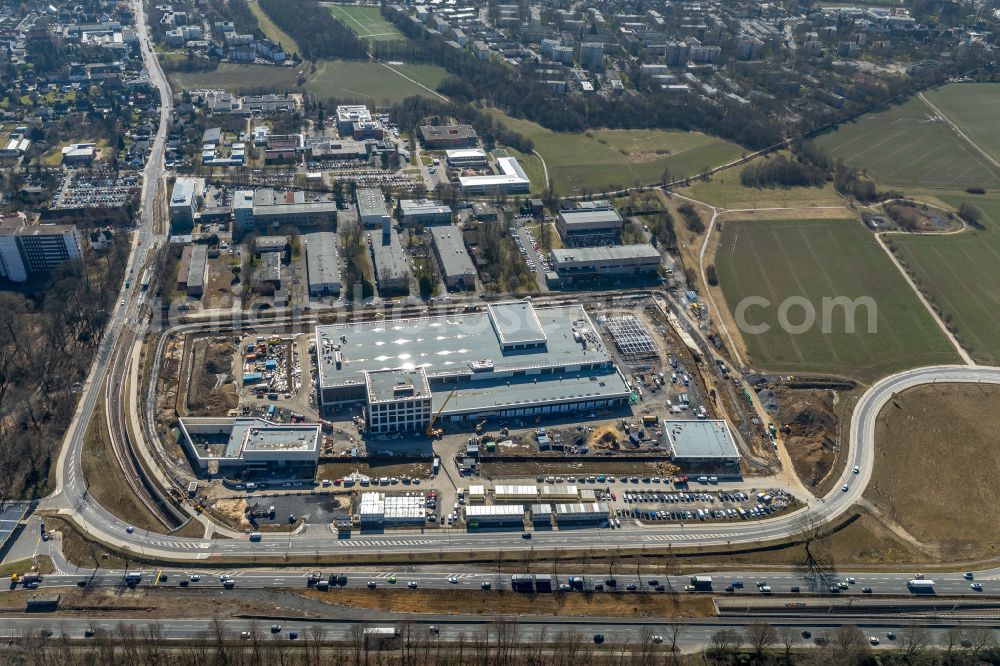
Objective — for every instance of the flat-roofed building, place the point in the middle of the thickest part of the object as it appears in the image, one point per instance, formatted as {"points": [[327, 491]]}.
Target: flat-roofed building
{"points": [[35, 249], [700, 442], [252, 446], [424, 212], [184, 203], [197, 269], [511, 361], [574, 263], [444, 137], [269, 270], [267, 209], [372, 211], [265, 244], [456, 265], [592, 223], [322, 263], [392, 270], [471, 158], [399, 400], [348, 114], [511, 179]]}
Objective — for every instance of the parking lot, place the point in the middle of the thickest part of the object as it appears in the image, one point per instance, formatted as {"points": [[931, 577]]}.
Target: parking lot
{"points": [[96, 190]]}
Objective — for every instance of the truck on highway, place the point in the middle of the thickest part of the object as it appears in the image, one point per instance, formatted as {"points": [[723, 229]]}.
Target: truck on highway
{"points": [[920, 585], [701, 582], [381, 638], [522, 583], [133, 578]]}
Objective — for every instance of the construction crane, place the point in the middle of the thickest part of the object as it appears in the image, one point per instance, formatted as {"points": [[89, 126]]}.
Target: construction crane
{"points": [[431, 430]]}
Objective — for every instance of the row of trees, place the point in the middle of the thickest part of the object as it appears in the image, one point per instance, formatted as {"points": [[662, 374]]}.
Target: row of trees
{"points": [[782, 172], [317, 33], [502, 642]]}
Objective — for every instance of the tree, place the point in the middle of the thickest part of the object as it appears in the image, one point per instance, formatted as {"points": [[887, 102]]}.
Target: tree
{"points": [[760, 636], [711, 275], [789, 637], [724, 644], [674, 628], [914, 638], [850, 643]]}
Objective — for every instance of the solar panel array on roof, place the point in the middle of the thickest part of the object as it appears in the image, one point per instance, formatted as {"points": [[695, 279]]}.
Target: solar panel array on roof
{"points": [[630, 336]]}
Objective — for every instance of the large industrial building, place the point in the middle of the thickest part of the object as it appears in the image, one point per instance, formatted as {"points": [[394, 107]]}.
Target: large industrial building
{"points": [[591, 223], [392, 271], [456, 265], [511, 361], [253, 446], [569, 264], [322, 263], [703, 443], [510, 180], [372, 211], [266, 209]]}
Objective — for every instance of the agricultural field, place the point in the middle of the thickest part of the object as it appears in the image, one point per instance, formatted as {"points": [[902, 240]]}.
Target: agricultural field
{"points": [[602, 159], [367, 22], [959, 272], [974, 107], [816, 259], [908, 145], [340, 79]]}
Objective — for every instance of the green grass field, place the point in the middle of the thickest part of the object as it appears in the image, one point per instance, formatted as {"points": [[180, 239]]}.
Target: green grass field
{"points": [[367, 22], [601, 160], [340, 79], [974, 107], [960, 274], [907, 145], [816, 259], [725, 190]]}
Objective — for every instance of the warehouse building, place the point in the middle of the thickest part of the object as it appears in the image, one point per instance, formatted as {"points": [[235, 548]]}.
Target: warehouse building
{"points": [[512, 360], [423, 212], [494, 516], [266, 209], [456, 265], [511, 179], [322, 263], [592, 223], [372, 212], [392, 270], [468, 158], [702, 443], [569, 264], [184, 203], [237, 445], [445, 137], [197, 269]]}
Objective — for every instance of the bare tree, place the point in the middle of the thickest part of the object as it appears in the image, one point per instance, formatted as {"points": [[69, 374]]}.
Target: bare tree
{"points": [[789, 637], [760, 636], [981, 639], [914, 638], [850, 642], [674, 629], [724, 644]]}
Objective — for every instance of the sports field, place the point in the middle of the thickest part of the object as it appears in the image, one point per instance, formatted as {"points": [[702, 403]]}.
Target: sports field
{"points": [[960, 274], [340, 79], [367, 22], [975, 108], [909, 145], [816, 259], [602, 159]]}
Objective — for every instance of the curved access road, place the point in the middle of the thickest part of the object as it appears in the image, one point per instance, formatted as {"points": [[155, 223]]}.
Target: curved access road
{"points": [[318, 539]]}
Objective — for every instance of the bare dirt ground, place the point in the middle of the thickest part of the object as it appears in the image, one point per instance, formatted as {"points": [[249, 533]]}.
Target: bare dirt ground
{"points": [[338, 470], [512, 603], [543, 468], [808, 422], [219, 288], [213, 389], [936, 468]]}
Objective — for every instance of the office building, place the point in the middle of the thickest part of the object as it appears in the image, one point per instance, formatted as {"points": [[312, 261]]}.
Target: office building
{"points": [[445, 137], [322, 263], [266, 209], [456, 265], [392, 270], [252, 447], [592, 223], [423, 212], [184, 200], [511, 179], [399, 400], [197, 270], [349, 114], [31, 250], [469, 158], [574, 263], [372, 211]]}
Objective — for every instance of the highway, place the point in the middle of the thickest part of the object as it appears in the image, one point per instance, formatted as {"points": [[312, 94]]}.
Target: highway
{"points": [[691, 635]]}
